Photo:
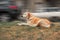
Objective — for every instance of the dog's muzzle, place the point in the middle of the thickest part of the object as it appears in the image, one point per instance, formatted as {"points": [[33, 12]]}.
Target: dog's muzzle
{"points": [[21, 16]]}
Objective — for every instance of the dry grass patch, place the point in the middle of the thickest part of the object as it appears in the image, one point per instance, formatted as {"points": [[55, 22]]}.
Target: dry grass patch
{"points": [[10, 31]]}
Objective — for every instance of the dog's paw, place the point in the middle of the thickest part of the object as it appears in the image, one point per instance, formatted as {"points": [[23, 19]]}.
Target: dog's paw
{"points": [[32, 25], [19, 24], [47, 26]]}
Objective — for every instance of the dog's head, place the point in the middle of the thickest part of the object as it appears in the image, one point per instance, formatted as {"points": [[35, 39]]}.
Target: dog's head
{"points": [[27, 15]]}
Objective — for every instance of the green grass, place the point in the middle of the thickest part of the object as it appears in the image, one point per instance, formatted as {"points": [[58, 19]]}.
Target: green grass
{"points": [[10, 31]]}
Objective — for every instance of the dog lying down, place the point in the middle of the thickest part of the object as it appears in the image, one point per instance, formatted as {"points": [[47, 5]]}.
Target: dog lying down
{"points": [[35, 21]]}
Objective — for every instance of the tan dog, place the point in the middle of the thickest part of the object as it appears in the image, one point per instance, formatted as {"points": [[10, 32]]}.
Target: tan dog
{"points": [[35, 21]]}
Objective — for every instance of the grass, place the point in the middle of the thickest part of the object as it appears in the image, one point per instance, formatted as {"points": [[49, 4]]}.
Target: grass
{"points": [[11, 31]]}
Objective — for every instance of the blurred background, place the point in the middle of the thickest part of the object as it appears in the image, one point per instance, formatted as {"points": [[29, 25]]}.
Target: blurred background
{"points": [[33, 5], [10, 15], [12, 9]]}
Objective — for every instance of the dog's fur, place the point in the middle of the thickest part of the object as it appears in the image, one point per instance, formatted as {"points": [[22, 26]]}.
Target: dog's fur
{"points": [[35, 21]]}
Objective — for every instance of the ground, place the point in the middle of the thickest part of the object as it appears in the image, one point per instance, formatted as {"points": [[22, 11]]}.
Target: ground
{"points": [[11, 31]]}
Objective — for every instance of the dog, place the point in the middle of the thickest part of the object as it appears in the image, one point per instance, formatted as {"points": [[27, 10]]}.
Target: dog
{"points": [[35, 21]]}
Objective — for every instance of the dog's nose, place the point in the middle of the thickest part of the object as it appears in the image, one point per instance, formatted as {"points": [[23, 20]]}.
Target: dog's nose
{"points": [[21, 16]]}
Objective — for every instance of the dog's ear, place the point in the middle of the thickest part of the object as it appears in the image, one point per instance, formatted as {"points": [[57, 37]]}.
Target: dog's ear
{"points": [[29, 15]]}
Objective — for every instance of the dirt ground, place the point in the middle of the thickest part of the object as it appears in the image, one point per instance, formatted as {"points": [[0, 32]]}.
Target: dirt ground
{"points": [[11, 31]]}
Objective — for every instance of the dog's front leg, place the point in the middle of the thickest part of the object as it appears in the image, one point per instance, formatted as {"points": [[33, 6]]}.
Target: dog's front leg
{"points": [[23, 24], [32, 25]]}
